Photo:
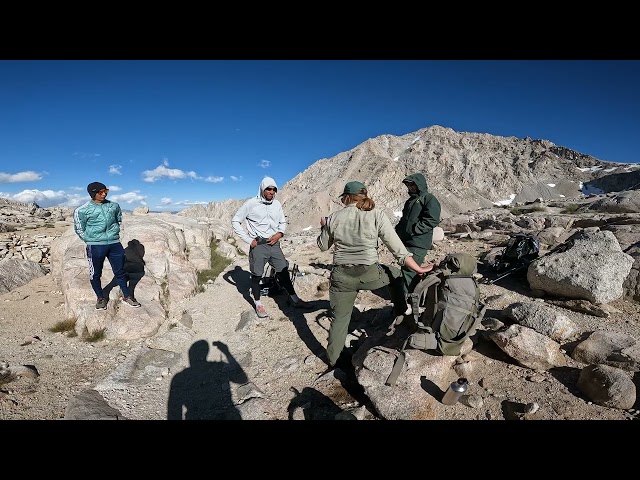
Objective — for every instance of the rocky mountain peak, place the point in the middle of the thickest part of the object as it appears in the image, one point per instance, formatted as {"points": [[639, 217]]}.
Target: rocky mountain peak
{"points": [[465, 171]]}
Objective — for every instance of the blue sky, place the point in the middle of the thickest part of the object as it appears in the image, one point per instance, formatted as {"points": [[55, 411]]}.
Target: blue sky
{"points": [[173, 133]]}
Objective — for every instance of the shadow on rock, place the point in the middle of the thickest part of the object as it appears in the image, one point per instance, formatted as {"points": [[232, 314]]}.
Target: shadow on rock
{"points": [[242, 281], [314, 405], [201, 391], [431, 388], [133, 266]]}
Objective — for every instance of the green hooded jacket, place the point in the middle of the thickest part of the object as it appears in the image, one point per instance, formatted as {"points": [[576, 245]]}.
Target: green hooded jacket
{"points": [[420, 215]]}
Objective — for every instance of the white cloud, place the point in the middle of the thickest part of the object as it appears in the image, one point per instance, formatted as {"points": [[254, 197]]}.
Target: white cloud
{"points": [[48, 198], [235, 179], [167, 204], [72, 201], [27, 176], [115, 169], [264, 164], [114, 188], [129, 198], [214, 179], [162, 171]]}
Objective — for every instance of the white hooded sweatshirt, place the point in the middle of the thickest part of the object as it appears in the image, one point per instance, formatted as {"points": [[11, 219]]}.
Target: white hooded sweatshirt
{"points": [[262, 218]]}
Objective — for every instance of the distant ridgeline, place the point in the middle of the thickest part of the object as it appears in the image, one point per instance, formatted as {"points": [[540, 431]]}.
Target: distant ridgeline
{"points": [[20, 213], [30, 207]]}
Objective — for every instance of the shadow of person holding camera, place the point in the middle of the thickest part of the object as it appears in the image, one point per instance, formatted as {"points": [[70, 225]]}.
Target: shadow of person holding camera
{"points": [[202, 390]]}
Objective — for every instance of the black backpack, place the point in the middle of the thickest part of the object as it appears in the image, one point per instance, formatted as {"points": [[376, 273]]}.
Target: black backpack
{"points": [[520, 251]]}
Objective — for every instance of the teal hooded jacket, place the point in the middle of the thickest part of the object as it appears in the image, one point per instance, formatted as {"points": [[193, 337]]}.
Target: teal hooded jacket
{"points": [[98, 223], [420, 215]]}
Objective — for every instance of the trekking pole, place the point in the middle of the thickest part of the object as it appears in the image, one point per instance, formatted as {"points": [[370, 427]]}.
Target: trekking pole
{"points": [[294, 273], [503, 275]]}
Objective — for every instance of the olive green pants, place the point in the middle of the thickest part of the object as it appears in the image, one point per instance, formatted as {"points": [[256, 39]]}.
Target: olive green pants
{"points": [[410, 281], [345, 283]]}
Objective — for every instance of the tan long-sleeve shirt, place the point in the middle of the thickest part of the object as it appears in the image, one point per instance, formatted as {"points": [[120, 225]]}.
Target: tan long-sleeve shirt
{"points": [[354, 235]]}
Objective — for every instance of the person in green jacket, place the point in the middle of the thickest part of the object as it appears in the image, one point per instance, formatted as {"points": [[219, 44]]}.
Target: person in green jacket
{"points": [[420, 215], [353, 232]]}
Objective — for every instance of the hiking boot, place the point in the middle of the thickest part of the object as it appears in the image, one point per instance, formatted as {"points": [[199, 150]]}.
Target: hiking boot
{"points": [[101, 304], [261, 312], [132, 302]]}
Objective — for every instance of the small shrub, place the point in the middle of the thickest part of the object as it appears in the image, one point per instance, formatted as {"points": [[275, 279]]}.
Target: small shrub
{"points": [[523, 210], [571, 208], [218, 264], [95, 336], [64, 325]]}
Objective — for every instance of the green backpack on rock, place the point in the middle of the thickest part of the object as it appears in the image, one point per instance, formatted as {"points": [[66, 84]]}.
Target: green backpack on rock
{"points": [[446, 309]]}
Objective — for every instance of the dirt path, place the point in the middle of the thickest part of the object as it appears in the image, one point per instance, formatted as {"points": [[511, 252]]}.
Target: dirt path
{"points": [[277, 356]]}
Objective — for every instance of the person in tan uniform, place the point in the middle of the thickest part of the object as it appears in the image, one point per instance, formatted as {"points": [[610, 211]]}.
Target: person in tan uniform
{"points": [[354, 232]]}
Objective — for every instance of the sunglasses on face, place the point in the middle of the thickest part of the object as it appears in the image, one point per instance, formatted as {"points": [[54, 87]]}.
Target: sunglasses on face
{"points": [[103, 192], [270, 189]]}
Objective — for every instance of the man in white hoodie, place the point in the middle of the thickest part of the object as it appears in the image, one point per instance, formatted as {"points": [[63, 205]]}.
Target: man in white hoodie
{"points": [[265, 225]]}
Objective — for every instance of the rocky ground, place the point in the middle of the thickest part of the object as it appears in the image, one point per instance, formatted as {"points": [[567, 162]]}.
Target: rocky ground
{"points": [[139, 380]]}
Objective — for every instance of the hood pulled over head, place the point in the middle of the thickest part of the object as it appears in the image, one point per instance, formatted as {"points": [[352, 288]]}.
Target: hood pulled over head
{"points": [[266, 182], [419, 180]]}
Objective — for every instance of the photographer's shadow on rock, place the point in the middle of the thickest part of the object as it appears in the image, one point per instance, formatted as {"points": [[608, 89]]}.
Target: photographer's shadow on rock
{"points": [[133, 266], [201, 391]]}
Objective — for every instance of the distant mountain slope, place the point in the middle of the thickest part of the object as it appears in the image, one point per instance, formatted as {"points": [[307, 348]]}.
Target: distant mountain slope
{"points": [[466, 171]]}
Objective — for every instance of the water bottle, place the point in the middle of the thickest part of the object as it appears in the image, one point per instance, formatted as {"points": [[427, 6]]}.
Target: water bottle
{"points": [[455, 391]]}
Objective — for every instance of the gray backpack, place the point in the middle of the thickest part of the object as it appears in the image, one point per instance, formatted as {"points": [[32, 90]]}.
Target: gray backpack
{"points": [[446, 309]]}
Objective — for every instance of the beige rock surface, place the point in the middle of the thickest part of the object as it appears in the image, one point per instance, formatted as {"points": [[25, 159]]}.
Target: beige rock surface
{"points": [[277, 354]]}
